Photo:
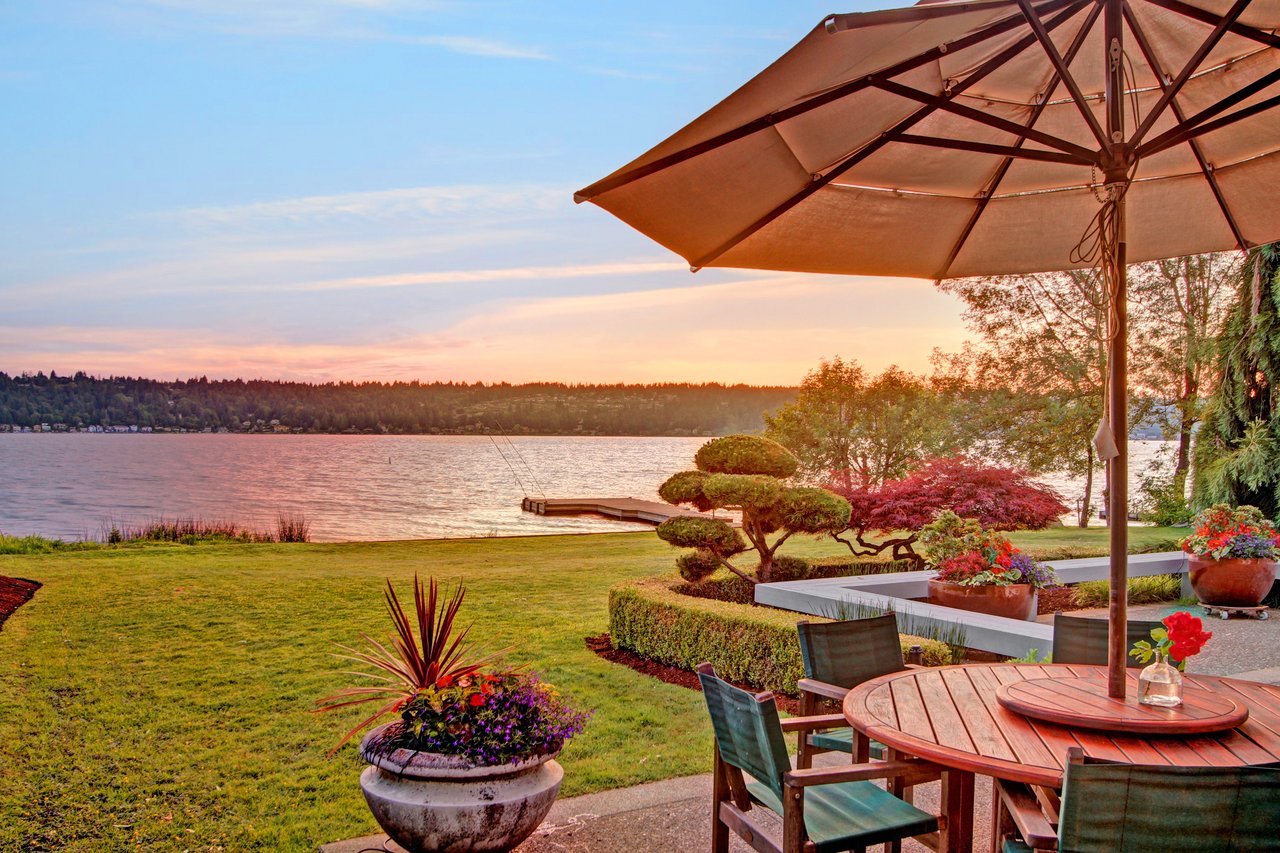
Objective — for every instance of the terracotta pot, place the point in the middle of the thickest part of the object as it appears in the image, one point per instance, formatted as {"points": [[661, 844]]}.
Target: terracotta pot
{"points": [[1241, 582], [432, 803], [1015, 601]]}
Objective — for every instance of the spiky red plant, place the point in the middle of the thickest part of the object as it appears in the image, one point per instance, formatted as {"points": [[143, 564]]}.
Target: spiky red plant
{"points": [[424, 651]]}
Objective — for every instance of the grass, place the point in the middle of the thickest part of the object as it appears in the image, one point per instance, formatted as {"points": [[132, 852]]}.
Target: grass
{"points": [[157, 697]]}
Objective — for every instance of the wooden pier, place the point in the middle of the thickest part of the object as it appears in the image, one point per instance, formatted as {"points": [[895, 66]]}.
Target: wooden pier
{"points": [[624, 509]]}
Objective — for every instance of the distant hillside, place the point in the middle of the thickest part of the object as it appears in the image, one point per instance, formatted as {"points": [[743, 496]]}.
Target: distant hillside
{"points": [[81, 402]]}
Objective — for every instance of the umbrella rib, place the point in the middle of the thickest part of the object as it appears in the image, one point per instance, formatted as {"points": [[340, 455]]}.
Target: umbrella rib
{"points": [[1210, 127], [1055, 58], [1148, 52], [1080, 154], [990, 148], [1178, 133], [1188, 69], [1204, 17], [844, 90], [882, 140], [1003, 168]]}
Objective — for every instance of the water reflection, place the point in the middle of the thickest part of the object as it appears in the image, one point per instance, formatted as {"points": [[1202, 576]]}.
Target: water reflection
{"points": [[348, 487]]}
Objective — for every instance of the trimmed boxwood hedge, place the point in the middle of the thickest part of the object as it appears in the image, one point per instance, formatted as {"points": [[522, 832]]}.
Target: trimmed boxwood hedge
{"points": [[753, 645]]}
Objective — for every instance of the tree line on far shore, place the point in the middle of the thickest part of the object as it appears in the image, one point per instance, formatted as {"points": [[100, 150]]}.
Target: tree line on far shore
{"points": [[443, 408]]}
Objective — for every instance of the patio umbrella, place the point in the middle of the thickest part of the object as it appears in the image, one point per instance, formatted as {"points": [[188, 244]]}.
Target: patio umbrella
{"points": [[984, 137]]}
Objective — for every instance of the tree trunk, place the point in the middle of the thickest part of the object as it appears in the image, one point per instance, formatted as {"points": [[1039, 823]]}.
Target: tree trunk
{"points": [[1082, 519], [1183, 466], [764, 571]]}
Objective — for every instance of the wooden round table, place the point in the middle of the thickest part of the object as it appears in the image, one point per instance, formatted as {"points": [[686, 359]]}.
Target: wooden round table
{"points": [[950, 715]]}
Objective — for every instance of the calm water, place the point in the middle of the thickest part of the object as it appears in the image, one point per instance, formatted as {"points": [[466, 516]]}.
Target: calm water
{"points": [[349, 487]]}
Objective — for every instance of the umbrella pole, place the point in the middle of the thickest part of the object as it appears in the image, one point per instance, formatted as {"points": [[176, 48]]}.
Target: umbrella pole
{"points": [[1118, 470], [1113, 266]]}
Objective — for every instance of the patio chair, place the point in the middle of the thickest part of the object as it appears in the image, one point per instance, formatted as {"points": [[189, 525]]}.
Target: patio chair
{"points": [[837, 657], [1129, 808], [823, 810], [1077, 639]]}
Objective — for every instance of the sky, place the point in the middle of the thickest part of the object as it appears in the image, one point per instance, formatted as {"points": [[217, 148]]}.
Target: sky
{"points": [[382, 189]]}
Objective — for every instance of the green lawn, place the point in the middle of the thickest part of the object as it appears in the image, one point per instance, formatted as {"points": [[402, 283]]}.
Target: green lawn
{"points": [[158, 698]]}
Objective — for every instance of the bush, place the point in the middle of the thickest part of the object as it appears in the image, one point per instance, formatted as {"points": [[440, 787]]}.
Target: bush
{"points": [[746, 454], [752, 645], [1162, 503], [1151, 589]]}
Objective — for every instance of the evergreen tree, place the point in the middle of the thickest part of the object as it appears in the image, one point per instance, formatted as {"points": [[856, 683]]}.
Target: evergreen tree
{"points": [[1238, 448]]}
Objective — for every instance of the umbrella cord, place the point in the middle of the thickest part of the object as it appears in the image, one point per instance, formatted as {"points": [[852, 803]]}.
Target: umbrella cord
{"points": [[1096, 247]]}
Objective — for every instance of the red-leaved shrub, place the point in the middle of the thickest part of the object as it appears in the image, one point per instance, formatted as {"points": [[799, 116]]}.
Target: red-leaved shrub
{"points": [[998, 498]]}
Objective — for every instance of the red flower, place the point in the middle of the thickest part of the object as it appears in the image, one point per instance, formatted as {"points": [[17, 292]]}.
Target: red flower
{"points": [[444, 681], [476, 700], [1186, 635]]}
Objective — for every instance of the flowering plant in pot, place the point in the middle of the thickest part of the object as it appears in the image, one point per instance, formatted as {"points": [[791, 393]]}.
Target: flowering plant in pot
{"points": [[1232, 556], [1182, 636], [978, 569], [469, 763]]}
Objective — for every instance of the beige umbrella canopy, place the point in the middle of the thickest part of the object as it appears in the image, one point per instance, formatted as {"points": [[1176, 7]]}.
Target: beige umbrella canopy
{"points": [[981, 137]]}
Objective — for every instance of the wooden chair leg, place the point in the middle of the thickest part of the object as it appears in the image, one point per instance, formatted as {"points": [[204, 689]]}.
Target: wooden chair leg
{"points": [[719, 794], [1001, 822], [793, 832], [804, 750], [903, 792], [861, 748]]}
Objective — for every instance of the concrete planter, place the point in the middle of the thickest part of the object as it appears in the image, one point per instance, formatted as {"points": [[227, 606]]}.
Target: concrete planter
{"points": [[1015, 601], [432, 803], [1237, 582]]}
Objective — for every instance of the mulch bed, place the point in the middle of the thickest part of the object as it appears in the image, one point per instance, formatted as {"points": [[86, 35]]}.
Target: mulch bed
{"points": [[602, 645], [14, 592], [1056, 599]]}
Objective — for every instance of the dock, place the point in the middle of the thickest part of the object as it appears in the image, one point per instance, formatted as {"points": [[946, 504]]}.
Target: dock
{"points": [[624, 509]]}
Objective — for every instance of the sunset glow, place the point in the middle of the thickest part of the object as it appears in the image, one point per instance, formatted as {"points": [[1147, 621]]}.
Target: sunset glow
{"points": [[313, 191]]}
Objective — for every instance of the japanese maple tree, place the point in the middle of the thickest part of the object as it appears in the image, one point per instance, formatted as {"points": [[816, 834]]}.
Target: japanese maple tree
{"points": [[889, 516]]}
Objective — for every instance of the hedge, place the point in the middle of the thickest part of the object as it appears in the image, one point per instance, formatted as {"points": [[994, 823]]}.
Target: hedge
{"points": [[751, 645]]}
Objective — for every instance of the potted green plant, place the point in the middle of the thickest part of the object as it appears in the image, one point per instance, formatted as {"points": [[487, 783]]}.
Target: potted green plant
{"points": [[980, 570], [1232, 556], [469, 763]]}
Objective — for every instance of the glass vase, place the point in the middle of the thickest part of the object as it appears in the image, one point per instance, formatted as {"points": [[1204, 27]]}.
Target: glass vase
{"points": [[1160, 684]]}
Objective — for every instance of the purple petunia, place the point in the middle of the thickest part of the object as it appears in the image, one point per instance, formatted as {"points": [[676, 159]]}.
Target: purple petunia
{"points": [[1035, 573], [522, 718]]}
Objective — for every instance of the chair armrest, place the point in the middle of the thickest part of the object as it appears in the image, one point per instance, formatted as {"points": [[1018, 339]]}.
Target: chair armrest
{"points": [[911, 771], [915, 666], [822, 721], [822, 688], [1027, 816]]}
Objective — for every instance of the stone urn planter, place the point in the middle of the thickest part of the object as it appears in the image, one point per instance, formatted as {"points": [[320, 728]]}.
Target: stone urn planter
{"points": [[1014, 601], [1233, 582], [432, 803]]}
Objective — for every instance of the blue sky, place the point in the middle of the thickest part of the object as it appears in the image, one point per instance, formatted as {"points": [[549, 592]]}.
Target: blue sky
{"points": [[382, 189]]}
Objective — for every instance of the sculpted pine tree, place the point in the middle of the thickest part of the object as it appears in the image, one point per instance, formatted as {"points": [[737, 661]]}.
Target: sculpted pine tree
{"points": [[750, 473]]}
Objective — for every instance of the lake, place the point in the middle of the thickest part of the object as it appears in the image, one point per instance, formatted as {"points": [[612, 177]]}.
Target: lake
{"points": [[77, 485]]}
